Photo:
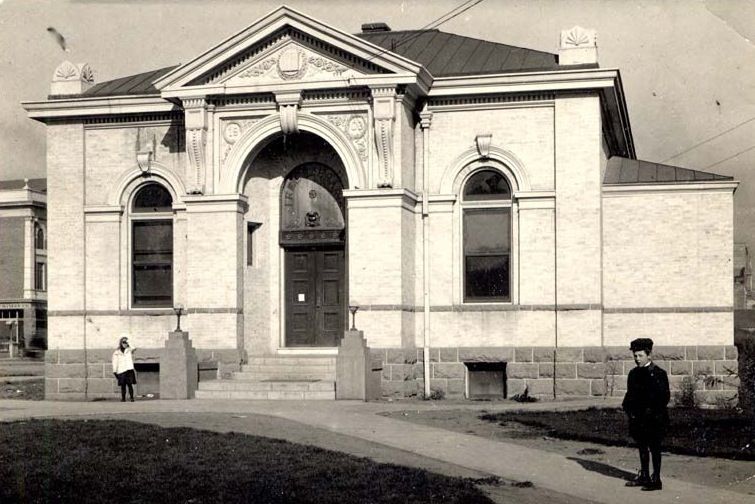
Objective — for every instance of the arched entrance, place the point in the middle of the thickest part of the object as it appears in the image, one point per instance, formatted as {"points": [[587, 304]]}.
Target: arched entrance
{"points": [[312, 235]]}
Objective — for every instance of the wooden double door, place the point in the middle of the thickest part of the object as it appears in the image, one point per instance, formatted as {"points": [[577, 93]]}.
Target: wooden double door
{"points": [[315, 296]]}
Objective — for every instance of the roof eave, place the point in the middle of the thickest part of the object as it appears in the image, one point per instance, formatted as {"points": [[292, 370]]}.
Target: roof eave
{"points": [[79, 106]]}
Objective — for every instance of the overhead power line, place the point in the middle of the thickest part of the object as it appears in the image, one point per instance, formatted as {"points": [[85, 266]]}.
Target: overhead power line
{"points": [[730, 157], [710, 139], [432, 25]]}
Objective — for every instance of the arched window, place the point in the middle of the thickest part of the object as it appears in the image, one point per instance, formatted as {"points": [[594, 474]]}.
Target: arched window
{"points": [[152, 247], [486, 223], [39, 238]]}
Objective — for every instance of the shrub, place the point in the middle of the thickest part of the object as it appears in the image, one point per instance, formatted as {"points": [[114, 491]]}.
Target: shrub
{"points": [[435, 395], [746, 348], [524, 396], [685, 396]]}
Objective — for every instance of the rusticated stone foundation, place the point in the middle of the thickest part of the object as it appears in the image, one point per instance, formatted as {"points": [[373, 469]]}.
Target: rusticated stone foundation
{"points": [[71, 376], [576, 371]]}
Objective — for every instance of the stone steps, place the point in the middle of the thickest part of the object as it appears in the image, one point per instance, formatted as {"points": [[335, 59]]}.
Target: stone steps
{"points": [[276, 378]]}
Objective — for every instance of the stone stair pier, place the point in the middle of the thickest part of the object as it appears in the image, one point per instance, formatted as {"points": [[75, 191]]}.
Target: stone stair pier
{"points": [[277, 377]]}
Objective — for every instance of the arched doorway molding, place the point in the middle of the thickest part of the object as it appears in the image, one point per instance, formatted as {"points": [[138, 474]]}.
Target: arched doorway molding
{"points": [[231, 177]]}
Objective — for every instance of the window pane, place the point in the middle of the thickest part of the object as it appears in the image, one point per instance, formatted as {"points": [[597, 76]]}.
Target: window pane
{"points": [[153, 198], [152, 263], [486, 278], [487, 231], [487, 185], [39, 276], [39, 239]]}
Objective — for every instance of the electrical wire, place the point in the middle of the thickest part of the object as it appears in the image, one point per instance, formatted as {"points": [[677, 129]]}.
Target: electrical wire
{"points": [[709, 139], [730, 157], [432, 25]]}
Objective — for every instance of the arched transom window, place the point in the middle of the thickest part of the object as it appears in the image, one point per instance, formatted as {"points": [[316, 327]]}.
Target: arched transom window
{"points": [[152, 247], [486, 224]]}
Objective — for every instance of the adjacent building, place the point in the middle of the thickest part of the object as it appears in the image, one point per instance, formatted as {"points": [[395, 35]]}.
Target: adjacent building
{"points": [[23, 266], [481, 204]]}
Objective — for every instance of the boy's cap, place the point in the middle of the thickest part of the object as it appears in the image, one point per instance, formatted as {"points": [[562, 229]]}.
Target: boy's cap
{"points": [[638, 344]]}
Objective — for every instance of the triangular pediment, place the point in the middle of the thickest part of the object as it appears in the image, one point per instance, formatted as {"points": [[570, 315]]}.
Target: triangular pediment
{"points": [[284, 47], [288, 57]]}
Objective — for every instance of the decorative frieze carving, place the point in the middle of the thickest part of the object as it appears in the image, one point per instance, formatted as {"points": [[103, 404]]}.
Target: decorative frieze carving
{"points": [[231, 130], [384, 113], [355, 128], [292, 63]]}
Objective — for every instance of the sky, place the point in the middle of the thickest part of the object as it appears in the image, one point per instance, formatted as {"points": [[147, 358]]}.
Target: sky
{"points": [[687, 66]]}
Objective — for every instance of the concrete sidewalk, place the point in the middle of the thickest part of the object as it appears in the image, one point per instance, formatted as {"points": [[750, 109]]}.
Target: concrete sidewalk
{"points": [[567, 475]]}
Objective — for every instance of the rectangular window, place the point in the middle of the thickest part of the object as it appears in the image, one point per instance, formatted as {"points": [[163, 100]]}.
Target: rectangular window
{"points": [[40, 282], [250, 228], [487, 254], [152, 267]]}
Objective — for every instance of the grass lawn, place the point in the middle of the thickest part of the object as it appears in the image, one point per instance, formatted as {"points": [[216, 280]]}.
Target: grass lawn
{"points": [[33, 390], [704, 432], [120, 461]]}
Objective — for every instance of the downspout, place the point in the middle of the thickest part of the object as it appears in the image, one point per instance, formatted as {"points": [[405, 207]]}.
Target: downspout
{"points": [[425, 119]]}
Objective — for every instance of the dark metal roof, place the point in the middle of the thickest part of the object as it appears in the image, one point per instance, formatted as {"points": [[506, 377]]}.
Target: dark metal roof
{"points": [[622, 170], [140, 84], [442, 54], [37, 184], [445, 54]]}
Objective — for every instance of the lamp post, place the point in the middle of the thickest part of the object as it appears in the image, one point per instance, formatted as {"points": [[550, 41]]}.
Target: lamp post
{"points": [[353, 309], [178, 309]]}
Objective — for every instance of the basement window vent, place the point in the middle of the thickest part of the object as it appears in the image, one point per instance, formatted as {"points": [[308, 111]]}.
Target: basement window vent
{"points": [[486, 380]]}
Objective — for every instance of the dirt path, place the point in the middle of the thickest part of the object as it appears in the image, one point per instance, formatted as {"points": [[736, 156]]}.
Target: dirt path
{"points": [[733, 475]]}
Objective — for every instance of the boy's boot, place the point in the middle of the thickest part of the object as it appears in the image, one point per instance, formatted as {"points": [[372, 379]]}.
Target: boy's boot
{"points": [[655, 484], [642, 479]]}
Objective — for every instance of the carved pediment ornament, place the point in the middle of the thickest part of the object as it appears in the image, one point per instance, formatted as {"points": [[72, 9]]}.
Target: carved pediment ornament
{"points": [[66, 71], [292, 63], [577, 37]]}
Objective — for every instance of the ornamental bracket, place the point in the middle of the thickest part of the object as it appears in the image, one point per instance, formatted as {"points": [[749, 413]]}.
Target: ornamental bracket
{"points": [[195, 112], [384, 113]]}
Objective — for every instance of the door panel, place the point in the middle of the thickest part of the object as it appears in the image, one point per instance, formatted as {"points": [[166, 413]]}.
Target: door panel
{"points": [[314, 297]]}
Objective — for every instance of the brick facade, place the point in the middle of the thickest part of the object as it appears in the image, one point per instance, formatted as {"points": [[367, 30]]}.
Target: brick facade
{"points": [[592, 265]]}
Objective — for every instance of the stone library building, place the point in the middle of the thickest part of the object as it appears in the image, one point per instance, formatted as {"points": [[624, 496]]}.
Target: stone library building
{"points": [[477, 209]]}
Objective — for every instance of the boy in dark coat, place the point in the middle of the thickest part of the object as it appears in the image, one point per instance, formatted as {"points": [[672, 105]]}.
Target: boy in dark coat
{"points": [[645, 403]]}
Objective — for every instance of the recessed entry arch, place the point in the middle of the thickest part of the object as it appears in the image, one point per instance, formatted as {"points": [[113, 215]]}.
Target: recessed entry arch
{"points": [[297, 224], [233, 173]]}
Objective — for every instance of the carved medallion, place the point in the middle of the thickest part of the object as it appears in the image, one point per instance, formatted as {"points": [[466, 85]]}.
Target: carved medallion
{"points": [[232, 132], [291, 64], [355, 127]]}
